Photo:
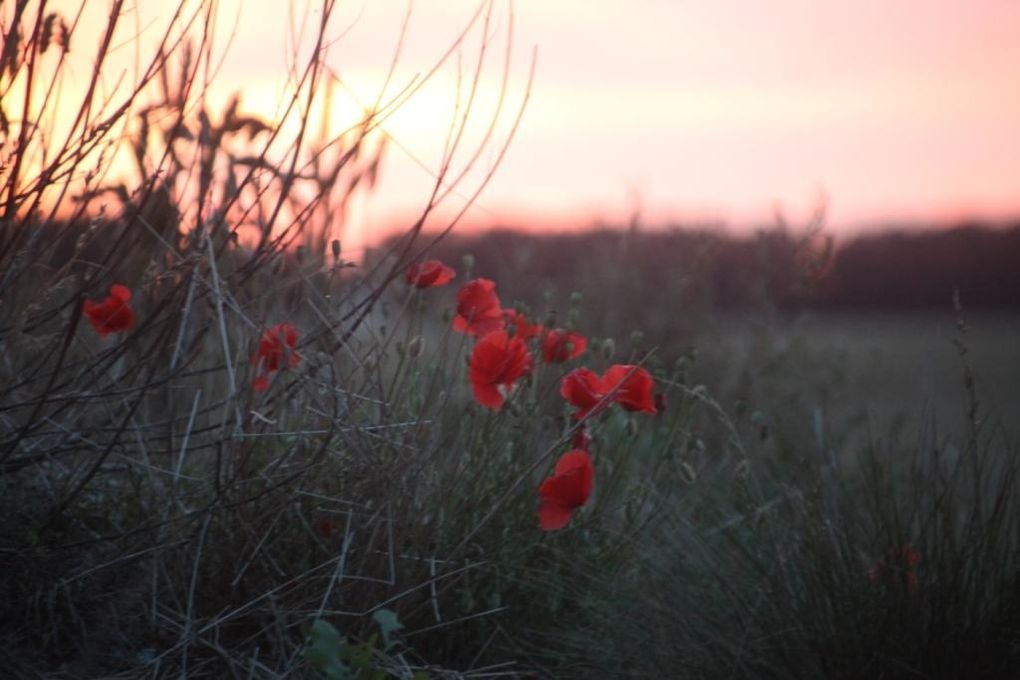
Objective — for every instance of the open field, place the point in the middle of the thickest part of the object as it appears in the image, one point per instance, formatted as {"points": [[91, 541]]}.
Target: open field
{"points": [[882, 373]]}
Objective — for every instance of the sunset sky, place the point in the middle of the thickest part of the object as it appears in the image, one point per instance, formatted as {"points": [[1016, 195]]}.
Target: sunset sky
{"points": [[692, 111]]}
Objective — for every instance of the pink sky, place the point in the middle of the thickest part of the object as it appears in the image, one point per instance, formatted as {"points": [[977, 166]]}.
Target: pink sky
{"points": [[692, 110]]}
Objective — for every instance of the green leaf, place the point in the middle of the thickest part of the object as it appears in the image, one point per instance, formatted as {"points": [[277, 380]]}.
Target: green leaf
{"points": [[388, 623], [325, 646]]}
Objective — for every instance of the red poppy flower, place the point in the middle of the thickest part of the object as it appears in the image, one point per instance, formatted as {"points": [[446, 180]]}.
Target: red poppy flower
{"points": [[584, 389], [559, 345], [112, 315], [430, 274], [478, 308], [497, 361], [522, 329], [634, 391], [275, 351], [566, 490]]}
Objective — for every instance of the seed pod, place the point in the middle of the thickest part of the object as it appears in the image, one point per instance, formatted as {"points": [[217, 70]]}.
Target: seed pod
{"points": [[608, 349]]}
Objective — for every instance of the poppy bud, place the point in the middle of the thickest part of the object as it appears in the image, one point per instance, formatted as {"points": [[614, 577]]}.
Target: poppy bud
{"points": [[637, 337], [335, 246], [575, 299], [687, 473], [608, 349], [469, 261], [416, 347]]}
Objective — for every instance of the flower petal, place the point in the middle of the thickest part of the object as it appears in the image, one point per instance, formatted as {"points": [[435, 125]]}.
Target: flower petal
{"points": [[635, 387], [582, 388], [497, 360], [429, 274], [120, 291], [560, 345], [553, 515], [478, 308], [567, 489]]}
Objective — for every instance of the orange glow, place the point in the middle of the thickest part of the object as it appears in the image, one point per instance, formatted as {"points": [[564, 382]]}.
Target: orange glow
{"points": [[684, 109]]}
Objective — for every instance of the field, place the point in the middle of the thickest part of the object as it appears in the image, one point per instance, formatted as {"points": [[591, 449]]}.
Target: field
{"points": [[890, 375], [229, 451]]}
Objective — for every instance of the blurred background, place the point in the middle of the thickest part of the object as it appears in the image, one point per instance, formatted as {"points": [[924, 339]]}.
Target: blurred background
{"points": [[903, 113]]}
